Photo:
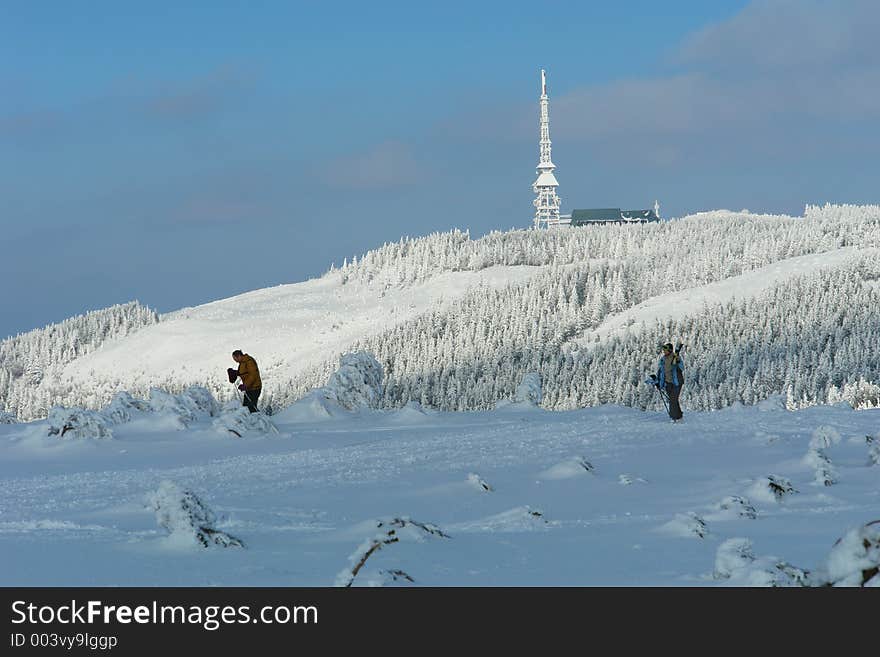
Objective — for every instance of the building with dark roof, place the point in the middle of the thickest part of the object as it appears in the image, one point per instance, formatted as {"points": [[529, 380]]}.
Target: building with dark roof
{"points": [[611, 216]]}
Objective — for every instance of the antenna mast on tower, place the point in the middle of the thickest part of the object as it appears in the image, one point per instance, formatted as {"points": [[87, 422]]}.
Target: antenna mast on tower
{"points": [[546, 201]]}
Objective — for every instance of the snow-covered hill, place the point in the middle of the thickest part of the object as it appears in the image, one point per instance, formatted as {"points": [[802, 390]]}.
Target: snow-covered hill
{"points": [[457, 322], [692, 301], [289, 328], [359, 478]]}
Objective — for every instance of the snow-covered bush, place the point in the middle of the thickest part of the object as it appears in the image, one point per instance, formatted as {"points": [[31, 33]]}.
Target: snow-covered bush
{"points": [[241, 421], [122, 408], [736, 563], [824, 437], [529, 390], [186, 517], [574, 466], [7, 418], [314, 406], [772, 488], [873, 449], [77, 423], [182, 407], [203, 400], [855, 558], [826, 475], [687, 525], [732, 555], [738, 505], [357, 384]]}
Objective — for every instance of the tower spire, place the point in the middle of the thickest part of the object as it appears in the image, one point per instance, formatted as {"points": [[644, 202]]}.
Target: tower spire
{"points": [[546, 201]]}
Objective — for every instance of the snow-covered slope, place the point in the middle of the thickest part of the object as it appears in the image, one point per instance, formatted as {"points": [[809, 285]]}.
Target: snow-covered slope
{"points": [[598, 496], [180, 489], [288, 328], [457, 322], [690, 301]]}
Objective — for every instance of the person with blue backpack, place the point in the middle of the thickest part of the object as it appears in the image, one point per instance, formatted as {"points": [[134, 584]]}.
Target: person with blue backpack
{"points": [[670, 377]]}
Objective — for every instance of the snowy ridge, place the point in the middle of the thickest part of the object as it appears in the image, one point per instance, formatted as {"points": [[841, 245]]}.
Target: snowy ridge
{"points": [[692, 301], [455, 323], [288, 328]]}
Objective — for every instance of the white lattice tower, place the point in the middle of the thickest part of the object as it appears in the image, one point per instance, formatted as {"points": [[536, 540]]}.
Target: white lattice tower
{"points": [[546, 201]]}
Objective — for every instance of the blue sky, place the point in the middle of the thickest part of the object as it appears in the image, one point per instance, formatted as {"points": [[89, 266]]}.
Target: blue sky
{"points": [[182, 152]]}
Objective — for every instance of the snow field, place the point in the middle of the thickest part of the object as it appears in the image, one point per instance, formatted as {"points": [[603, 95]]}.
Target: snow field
{"points": [[305, 501]]}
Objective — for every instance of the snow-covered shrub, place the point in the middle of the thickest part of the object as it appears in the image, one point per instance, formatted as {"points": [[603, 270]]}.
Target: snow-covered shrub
{"points": [[739, 505], [7, 418], [855, 558], [732, 555], [314, 406], [769, 571], [390, 531], [873, 450], [203, 400], [686, 524], [772, 488], [357, 384], [826, 475], [824, 437], [241, 421], [182, 407], [412, 412], [736, 563], [185, 516], [77, 423], [122, 407], [574, 466], [529, 390]]}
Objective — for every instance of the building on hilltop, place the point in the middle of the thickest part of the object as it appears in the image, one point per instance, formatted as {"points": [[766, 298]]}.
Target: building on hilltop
{"points": [[610, 216], [547, 200]]}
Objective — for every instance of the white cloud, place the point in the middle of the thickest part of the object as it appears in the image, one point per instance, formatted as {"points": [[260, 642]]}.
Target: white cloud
{"points": [[782, 78]]}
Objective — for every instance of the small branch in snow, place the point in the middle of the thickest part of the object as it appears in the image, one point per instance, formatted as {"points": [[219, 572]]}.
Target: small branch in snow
{"points": [[389, 533], [585, 464], [479, 483], [397, 574]]}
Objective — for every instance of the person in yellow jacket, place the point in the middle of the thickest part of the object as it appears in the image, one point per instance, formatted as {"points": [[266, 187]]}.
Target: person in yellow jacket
{"points": [[251, 384]]}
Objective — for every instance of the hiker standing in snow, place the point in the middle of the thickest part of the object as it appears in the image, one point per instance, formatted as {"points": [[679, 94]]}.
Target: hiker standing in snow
{"points": [[251, 384], [669, 376]]}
